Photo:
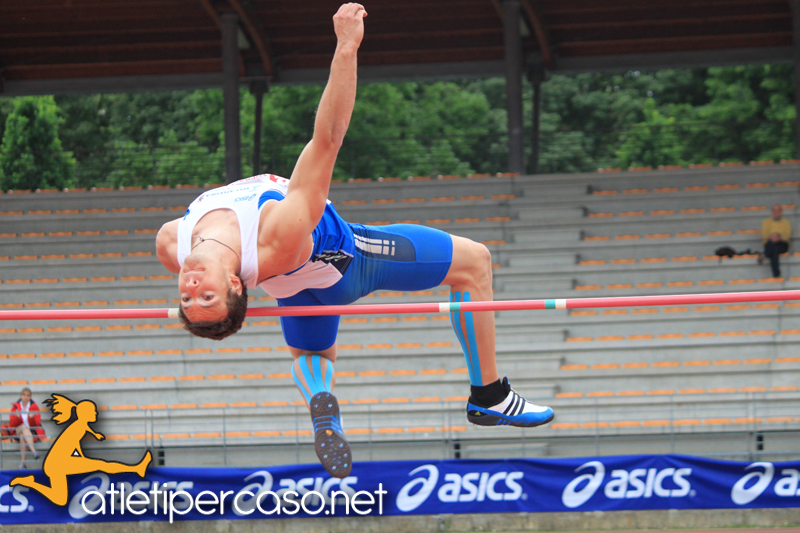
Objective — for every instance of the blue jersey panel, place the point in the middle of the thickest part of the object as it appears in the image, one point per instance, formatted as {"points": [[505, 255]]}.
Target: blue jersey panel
{"points": [[332, 234]]}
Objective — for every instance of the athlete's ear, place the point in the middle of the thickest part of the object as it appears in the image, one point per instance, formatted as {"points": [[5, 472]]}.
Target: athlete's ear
{"points": [[236, 284]]}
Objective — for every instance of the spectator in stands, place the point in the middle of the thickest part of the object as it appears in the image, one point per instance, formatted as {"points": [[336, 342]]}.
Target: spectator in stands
{"points": [[285, 237], [27, 421], [776, 233]]}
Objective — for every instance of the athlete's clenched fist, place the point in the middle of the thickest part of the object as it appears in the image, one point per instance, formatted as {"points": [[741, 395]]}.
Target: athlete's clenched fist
{"points": [[348, 23]]}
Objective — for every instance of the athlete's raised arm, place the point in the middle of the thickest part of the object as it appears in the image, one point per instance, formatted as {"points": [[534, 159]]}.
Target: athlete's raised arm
{"points": [[293, 219], [167, 246]]}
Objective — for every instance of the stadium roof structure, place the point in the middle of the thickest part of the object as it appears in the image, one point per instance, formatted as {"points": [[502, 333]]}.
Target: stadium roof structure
{"points": [[57, 46], [96, 46]]}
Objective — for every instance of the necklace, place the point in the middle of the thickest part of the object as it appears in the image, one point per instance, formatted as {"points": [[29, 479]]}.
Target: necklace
{"points": [[202, 240]]}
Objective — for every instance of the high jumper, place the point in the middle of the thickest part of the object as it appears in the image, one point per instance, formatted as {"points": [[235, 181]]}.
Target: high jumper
{"points": [[286, 237]]}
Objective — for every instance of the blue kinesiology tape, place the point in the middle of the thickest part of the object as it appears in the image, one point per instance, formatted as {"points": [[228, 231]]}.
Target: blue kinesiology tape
{"points": [[473, 346], [467, 339], [313, 375]]}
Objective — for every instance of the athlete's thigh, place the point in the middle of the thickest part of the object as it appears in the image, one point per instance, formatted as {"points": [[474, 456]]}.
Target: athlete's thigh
{"points": [[404, 256], [313, 334]]}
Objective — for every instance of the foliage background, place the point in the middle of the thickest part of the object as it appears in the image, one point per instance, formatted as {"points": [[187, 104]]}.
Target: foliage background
{"points": [[633, 118]]}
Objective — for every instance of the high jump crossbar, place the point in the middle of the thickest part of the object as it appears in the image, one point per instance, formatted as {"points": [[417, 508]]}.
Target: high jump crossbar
{"points": [[446, 307]]}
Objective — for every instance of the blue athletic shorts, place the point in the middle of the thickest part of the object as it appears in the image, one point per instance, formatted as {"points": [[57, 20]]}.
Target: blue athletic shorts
{"points": [[401, 257]]}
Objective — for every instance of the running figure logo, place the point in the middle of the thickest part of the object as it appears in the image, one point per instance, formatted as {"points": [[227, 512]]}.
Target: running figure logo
{"points": [[66, 457]]}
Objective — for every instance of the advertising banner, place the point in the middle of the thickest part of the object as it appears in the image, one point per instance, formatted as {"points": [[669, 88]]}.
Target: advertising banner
{"points": [[638, 482]]}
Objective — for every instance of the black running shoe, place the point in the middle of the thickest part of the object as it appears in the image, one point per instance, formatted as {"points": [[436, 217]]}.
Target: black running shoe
{"points": [[329, 441]]}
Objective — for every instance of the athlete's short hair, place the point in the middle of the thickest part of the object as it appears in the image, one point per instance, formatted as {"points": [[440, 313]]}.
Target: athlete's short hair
{"points": [[237, 308]]}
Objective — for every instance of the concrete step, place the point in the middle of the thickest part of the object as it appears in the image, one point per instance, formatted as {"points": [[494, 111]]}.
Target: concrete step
{"points": [[684, 200], [437, 414], [221, 390], [682, 380], [81, 292], [109, 200], [84, 268], [524, 259], [674, 224], [99, 222], [545, 284], [200, 356], [552, 236], [73, 245], [690, 177], [156, 337], [549, 214]]}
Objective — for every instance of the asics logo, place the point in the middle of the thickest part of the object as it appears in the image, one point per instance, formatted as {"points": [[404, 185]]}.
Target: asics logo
{"points": [[407, 502], [572, 496], [245, 198], [741, 495], [638, 483], [753, 484], [18, 502], [457, 488]]}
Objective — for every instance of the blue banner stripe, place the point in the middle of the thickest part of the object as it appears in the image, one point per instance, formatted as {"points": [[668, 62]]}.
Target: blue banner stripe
{"points": [[463, 486]]}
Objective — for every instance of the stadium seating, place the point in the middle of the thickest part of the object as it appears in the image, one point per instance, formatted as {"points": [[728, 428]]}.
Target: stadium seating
{"points": [[694, 378]]}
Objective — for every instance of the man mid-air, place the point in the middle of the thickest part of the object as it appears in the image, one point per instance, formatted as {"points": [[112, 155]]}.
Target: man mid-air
{"points": [[285, 237]]}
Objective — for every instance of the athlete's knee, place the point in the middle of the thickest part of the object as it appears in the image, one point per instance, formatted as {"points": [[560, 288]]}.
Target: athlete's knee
{"points": [[479, 272], [328, 354]]}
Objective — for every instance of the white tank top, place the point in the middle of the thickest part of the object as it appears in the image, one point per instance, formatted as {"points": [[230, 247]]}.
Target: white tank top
{"points": [[242, 197]]}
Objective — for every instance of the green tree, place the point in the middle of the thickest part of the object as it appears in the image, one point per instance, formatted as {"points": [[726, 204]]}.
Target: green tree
{"points": [[132, 165], [748, 115], [144, 117], [588, 121], [31, 155], [653, 142], [6, 107], [86, 133], [187, 162]]}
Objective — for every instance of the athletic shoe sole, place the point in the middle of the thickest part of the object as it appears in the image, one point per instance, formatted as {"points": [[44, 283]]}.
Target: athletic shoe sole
{"points": [[332, 448], [492, 418]]}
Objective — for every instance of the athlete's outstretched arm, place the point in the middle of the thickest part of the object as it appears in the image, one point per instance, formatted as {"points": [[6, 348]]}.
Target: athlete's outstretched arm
{"points": [[167, 246], [301, 211]]}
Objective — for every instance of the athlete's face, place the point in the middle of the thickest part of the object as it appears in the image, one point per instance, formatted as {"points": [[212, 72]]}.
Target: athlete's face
{"points": [[204, 286]]}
